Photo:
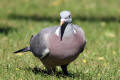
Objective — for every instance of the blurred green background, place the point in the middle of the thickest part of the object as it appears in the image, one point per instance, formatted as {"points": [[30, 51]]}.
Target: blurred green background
{"points": [[100, 19]]}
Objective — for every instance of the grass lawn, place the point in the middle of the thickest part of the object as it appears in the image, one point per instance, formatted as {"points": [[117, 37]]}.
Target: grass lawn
{"points": [[100, 19]]}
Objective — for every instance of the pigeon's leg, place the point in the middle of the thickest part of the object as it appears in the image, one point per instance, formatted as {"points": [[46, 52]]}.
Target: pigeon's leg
{"points": [[51, 70], [54, 69], [64, 69]]}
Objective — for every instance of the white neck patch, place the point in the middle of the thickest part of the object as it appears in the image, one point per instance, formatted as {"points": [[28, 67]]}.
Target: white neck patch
{"points": [[57, 31]]}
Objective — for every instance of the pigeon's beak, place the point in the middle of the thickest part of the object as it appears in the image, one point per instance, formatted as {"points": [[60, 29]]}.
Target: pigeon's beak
{"points": [[62, 21], [63, 25]]}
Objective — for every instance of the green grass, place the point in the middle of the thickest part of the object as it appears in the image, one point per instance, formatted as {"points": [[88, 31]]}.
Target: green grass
{"points": [[100, 19]]}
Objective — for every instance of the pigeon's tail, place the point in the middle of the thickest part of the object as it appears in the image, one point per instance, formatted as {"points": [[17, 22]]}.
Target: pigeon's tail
{"points": [[23, 50]]}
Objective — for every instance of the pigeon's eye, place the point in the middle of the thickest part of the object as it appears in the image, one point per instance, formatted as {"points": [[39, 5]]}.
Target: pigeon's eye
{"points": [[69, 16]]}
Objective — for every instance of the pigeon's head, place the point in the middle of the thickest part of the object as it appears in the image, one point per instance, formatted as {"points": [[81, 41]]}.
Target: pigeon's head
{"points": [[65, 18]]}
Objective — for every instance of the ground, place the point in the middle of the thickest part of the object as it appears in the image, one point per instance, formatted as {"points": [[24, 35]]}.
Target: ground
{"points": [[100, 19]]}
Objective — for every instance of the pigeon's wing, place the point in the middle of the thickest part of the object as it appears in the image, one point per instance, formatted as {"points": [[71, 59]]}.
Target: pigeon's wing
{"points": [[39, 43]]}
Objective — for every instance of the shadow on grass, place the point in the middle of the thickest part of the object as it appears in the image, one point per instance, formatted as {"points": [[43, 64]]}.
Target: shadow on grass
{"points": [[56, 18], [36, 70], [33, 17], [80, 75], [6, 29]]}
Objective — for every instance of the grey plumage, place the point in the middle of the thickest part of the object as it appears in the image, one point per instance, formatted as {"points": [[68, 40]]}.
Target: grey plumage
{"points": [[39, 44], [58, 45]]}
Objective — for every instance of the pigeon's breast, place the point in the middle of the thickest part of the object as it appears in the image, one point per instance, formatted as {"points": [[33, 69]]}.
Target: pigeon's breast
{"points": [[65, 50]]}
